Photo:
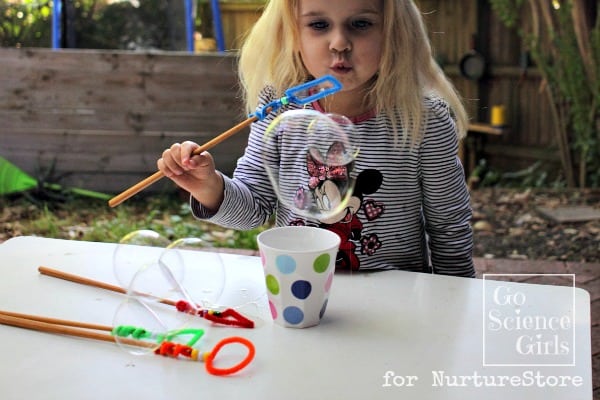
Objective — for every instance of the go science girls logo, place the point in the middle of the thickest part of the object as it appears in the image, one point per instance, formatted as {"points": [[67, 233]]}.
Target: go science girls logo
{"points": [[527, 324]]}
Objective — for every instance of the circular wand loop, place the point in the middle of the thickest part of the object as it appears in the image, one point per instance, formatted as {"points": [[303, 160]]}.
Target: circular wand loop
{"points": [[209, 357]]}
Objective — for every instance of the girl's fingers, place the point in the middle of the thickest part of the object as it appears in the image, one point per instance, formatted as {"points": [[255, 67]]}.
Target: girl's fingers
{"points": [[186, 151], [180, 159], [170, 163]]}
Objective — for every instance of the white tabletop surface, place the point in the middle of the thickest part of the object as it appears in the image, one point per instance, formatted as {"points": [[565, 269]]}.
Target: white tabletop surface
{"points": [[381, 324]]}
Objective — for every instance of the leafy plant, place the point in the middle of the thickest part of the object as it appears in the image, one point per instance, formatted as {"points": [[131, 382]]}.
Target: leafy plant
{"points": [[25, 23], [563, 38], [95, 24], [93, 220]]}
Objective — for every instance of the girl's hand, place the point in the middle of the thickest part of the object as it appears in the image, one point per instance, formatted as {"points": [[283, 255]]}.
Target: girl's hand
{"points": [[193, 173]]}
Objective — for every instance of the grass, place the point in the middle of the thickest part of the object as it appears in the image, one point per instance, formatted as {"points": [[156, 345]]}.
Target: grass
{"points": [[79, 218]]}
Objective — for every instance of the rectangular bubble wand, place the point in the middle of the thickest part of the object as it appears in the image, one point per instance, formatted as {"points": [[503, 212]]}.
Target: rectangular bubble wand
{"points": [[316, 89]]}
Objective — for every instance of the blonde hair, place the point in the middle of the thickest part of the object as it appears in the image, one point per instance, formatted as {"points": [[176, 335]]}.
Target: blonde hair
{"points": [[407, 72]]}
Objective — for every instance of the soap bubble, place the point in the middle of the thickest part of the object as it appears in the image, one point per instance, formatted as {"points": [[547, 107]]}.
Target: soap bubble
{"points": [[205, 272], [141, 326], [129, 257], [148, 312], [147, 265], [316, 147], [135, 320], [186, 274], [189, 274], [157, 285]]}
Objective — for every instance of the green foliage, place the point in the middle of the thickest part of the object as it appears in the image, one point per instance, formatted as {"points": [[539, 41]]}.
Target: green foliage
{"points": [[93, 220], [153, 24], [507, 11], [557, 54], [534, 176], [48, 224], [566, 74], [93, 24], [25, 24]]}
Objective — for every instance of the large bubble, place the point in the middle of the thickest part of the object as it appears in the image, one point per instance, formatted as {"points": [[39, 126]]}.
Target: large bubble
{"points": [[137, 250], [158, 276], [308, 156]]}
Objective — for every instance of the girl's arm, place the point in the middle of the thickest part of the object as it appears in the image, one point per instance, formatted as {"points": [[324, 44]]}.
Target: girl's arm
{"points": [[248, 198], [446, 200]]}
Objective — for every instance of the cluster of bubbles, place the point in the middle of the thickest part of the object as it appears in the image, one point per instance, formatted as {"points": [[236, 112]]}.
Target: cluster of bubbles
{"points": [[164, 272]]}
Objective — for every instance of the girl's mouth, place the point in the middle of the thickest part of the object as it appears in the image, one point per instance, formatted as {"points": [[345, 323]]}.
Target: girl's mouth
{"points": [[341, 67]]}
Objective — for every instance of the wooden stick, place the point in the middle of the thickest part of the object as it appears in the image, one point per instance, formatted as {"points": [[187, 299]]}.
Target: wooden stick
{"points": [[91, 282], [228, 316], [138, 187], [71, 329], [57, 321], [80, 279]]}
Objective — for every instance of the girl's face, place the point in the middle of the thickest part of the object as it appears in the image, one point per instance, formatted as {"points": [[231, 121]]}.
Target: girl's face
{"points": [[342, 38]]}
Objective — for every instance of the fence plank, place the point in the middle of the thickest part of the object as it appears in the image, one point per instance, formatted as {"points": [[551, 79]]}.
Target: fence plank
{"points": [[103, 118]]}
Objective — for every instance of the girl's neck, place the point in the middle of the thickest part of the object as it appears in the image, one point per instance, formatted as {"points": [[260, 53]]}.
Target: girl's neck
{"points": [[350, 104]]}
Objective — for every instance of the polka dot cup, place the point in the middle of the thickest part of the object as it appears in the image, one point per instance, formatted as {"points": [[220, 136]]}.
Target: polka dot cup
{"points": [[299, 262]]}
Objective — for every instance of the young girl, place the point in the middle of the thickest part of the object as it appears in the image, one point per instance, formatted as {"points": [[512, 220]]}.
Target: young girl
{"points": [[410, 208]]}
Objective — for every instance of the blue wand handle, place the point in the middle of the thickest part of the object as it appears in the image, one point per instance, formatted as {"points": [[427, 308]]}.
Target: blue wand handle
{"points": [[316, 89]]}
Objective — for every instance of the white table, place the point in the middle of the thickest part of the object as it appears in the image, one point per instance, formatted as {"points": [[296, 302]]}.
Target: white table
{"points": [[392, 324]]}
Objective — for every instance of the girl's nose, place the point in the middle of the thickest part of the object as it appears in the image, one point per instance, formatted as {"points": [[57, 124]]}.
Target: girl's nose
{"points": [[339, 43]]}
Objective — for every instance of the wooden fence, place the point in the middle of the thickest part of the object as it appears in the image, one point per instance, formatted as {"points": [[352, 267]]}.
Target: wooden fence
{"points": [[103, 118], [458, 26]]}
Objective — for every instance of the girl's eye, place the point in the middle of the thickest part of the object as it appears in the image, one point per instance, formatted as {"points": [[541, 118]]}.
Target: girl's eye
{"points": [[361, 24], [318, 25]]}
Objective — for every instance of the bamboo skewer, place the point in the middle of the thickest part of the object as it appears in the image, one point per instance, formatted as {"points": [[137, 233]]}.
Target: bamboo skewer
{"points": [[65, 327], [228, 316], [138, 187], [94, 283], [80, 279], [57, 321]]}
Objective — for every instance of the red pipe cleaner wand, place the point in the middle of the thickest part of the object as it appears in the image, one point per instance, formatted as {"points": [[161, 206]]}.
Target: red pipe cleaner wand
{"points": [[228, 316]]}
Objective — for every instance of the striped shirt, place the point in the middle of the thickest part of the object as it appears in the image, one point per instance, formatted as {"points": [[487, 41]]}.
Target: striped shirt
{"points": [[412, 207]]}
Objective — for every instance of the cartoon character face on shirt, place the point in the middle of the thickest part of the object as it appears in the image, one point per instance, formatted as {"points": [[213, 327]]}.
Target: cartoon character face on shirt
{"points": [[346, 223], [328, 182], [328, 197]]}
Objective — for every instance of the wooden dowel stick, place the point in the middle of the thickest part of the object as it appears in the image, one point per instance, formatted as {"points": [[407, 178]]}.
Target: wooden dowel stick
{"points": [[68, 330], [94, 283], [80, 279], [138, 187], [57, 321]]}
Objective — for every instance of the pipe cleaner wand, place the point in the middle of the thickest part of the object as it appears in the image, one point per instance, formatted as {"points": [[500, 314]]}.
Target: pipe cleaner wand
{"points": [[291, 96], [228, 316], [161, 344]]}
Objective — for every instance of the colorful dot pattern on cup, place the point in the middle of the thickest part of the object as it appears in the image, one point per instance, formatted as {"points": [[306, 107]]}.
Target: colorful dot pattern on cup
{"points": [[285, 264], [322, 312], [293, 315], [321, 263], [273, 309], [328, 282], [272, 284], [300, 289]]}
